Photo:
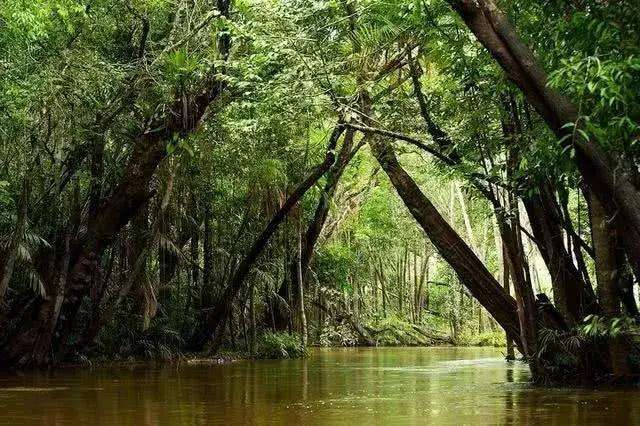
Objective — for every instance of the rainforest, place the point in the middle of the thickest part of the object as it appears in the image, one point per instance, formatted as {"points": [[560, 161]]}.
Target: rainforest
{"points": [[397, 183]]}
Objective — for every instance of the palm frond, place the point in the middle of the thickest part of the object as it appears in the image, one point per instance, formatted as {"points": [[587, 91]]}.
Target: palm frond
{"points": [[35, 240], [36, 283], [24, 253]]}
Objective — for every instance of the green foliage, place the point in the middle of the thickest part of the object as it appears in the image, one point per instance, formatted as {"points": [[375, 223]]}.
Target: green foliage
{"points": [[337, 335], [598, 327], [335, 263], [488, 338], [125, 341], [181, 68], [5, 195], [559, 354], [394, 331], [280, 345]]}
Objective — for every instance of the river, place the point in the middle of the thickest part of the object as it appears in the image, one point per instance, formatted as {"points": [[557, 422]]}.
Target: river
{"points": [[441, 385]]}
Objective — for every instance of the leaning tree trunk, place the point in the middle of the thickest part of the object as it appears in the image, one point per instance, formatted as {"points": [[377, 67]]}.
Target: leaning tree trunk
{"points": [[571, 294], [316, 225], [515, 259], [514, 253], [472, 273], [218, 316], [32, 343], [612, 183], [145, 237]]}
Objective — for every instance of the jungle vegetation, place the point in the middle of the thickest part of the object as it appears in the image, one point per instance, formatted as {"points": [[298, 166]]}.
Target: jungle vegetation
{"points": [[197, 175]]}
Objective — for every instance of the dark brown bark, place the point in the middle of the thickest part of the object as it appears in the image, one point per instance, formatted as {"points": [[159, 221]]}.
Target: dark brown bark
{"points": [[571, 294], [626, 284], [124, 201], [439, 136], [505, 278], [509, 228], [578, 243], [612, 183], [143, 240]]}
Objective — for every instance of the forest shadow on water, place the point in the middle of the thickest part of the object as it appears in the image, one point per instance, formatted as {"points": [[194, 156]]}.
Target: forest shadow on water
{"points": [[438, 385]]}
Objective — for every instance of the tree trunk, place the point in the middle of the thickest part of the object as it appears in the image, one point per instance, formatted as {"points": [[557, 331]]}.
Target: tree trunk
{"points": [[472, 273], [218, 316], [145, 238], [610, 181], [317, 223], [514, 252], [124, 201], [300, 293], [505, 277], [571, 294], [606, 244]]}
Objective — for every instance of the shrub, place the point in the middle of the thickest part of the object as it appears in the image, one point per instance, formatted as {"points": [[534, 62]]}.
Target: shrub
{"points": [[279, 346], [338, 335], [489, 338]]}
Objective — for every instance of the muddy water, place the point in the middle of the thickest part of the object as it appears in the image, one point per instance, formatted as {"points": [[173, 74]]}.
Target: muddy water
{"points": [[334, 386]]}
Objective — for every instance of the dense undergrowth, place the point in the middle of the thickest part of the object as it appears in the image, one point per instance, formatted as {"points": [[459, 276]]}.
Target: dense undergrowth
{"points": [[393, 331], [162, 343], [280, 345], [488, 338]]}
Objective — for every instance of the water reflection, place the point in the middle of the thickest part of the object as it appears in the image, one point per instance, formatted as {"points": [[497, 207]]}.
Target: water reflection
{"points": [[344, 386]]}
